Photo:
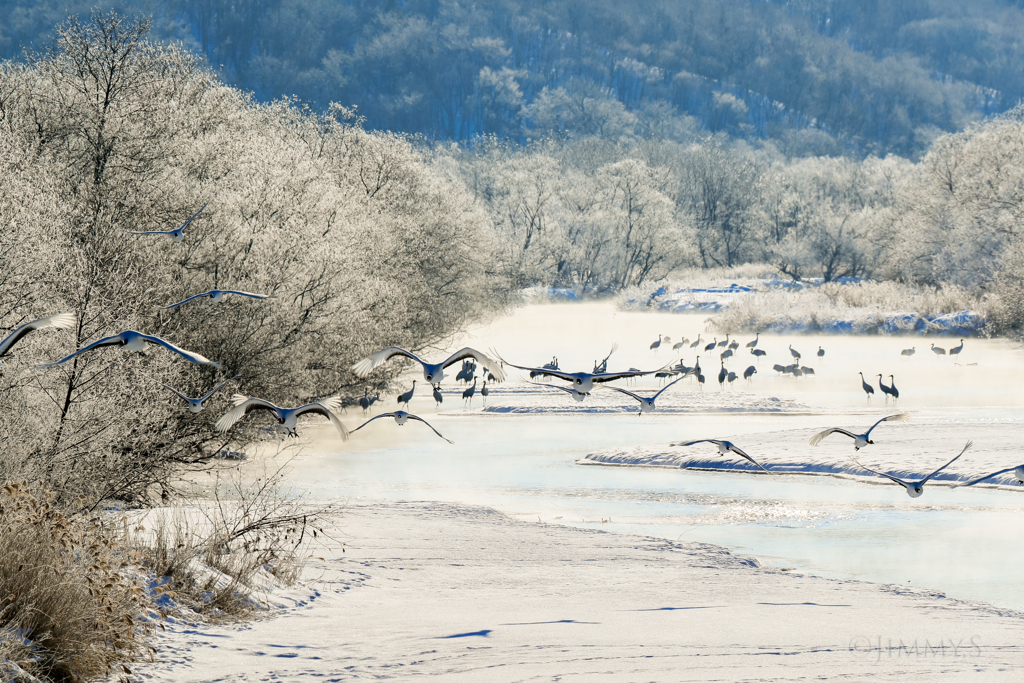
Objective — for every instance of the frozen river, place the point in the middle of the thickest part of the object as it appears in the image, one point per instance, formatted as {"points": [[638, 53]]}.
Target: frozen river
{"points": [[963, 542]]}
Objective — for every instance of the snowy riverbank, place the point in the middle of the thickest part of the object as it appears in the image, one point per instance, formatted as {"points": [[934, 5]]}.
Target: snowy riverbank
{"points": [[455, 592]]}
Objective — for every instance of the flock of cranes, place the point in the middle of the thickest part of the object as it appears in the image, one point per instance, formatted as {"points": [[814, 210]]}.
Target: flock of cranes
{"points": [[581, 384], [133, 341]]}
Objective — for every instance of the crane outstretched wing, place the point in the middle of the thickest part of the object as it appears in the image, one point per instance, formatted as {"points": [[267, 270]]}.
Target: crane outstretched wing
{"points": [[881, 474], [321, 409], [902, 417], [486, 361], [242, 408], [185, 224], [738, 451], [987, 476], [148, 232], [248, 294], [655, 397], [966, 447], [363, 367], [817, 438], [191, 298], [61, 320], [216, 388], [114, 340], [190, 356], [627, 393], [375, 417], [180, 395], [417, 417]]}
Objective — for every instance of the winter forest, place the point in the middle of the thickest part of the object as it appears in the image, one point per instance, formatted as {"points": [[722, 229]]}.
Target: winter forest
{"points": [[366, 238], [387, 172]]}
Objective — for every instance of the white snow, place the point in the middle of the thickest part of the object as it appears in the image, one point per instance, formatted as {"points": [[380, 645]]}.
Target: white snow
{"points": [[460, 593], [434, 582]]}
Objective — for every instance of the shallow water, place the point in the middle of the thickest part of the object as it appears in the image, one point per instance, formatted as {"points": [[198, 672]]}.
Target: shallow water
{"points": [[964, 542]]}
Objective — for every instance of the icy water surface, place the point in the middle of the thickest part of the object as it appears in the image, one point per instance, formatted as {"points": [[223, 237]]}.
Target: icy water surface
{"points": [[963, 542]]}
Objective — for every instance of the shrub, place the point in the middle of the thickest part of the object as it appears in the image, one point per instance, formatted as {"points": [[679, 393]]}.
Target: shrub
{"points": [[68, 609]]}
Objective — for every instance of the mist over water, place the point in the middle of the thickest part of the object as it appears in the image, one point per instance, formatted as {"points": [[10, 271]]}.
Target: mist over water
{"points": [[963, 542]]}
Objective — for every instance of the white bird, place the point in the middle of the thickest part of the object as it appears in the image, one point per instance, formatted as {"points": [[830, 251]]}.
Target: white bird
{"points": [[196, 404], [723, 448], [1018, 474], [59, 321], [645, 403], [938, 350], [916, 488], [577, 395], [655, 345], [136, 341], [177, 235], [285, 416], [432, 372], [584, 381], [725, 342], [401, 417], [696, 343], [753, 344], [218, 295], [859, 440], [909, 352]]}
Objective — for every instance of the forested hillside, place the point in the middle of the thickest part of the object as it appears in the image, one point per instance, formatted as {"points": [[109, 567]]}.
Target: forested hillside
{"points": [[814, 76]]}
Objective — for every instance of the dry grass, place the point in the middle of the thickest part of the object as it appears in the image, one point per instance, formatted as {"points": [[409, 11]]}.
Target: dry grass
{"points": [[68, 609], [217, 554]]}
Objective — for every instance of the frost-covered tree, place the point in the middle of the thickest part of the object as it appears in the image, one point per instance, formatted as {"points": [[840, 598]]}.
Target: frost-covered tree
{"points": [[358, 239]]}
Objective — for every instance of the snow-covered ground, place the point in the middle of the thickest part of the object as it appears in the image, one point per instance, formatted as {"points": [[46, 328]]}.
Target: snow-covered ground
{"points": [[499, 557], [460, 593], [781, 305]]}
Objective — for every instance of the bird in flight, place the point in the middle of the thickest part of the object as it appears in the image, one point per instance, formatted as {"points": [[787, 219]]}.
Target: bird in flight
{"points": [[196, 404], [859, 440], [401, 417], [136, 341], [59, 321], [724, 447], [915, 488], [288, 417], [432, 372], [583, 382], [218, 295], [646, 403], [178, 234]]}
